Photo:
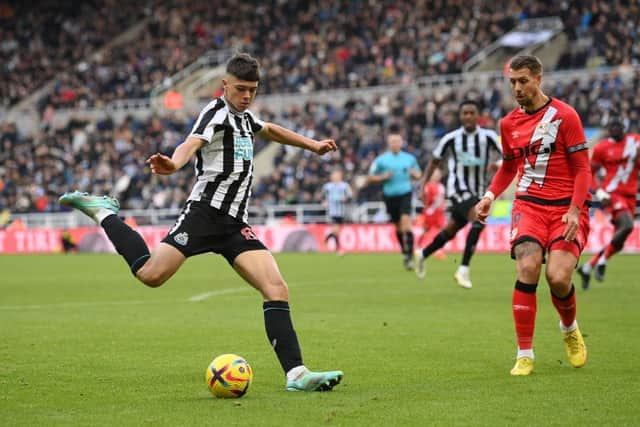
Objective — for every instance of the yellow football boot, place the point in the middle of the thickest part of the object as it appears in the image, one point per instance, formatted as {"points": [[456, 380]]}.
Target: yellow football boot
{"points": [[575, 348], [523, 366]]}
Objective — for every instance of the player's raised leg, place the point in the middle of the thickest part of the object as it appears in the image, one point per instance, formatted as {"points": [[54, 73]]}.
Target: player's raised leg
{"points": [[260, 270], [559, 271], [152, 270]]}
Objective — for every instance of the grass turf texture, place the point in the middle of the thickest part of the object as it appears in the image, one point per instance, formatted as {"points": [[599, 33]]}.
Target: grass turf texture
{"points": [[83, 343]]}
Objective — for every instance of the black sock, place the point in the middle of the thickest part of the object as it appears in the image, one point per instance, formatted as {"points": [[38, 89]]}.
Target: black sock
{"points": [[127, 242], [400, 241], [472, 241], [282, 336], [409, 243], [439, 241], [335, 239]]}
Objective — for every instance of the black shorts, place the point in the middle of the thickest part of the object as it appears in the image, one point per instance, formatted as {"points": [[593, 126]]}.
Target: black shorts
{"points": [[202, 228], [336, 220], [398, 206], [460, 210]]}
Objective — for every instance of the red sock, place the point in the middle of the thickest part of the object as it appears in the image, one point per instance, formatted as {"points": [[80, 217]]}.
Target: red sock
{"points": [[566, 307], [524, 308], [610, 250], [594, 259]]}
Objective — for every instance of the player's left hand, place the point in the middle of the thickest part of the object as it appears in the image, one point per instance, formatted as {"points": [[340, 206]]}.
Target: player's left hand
{"points": [[324, 146], [572, 219], [161, 164]]}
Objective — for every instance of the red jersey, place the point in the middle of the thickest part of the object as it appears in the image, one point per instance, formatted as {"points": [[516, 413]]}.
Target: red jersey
{"points": [[434, 200], [621, 163], [541, 143]]}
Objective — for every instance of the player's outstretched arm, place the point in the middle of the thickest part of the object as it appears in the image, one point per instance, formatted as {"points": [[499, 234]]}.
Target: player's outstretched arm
{"points": [[283, 135], [163, 165]]}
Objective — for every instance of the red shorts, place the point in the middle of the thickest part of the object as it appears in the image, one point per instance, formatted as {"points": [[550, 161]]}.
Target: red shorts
{"points": [[621, 204], [533, 222], [435, 220]]}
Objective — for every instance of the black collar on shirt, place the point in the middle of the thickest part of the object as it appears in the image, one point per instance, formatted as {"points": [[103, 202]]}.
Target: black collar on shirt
{"points": [[539, 109]]}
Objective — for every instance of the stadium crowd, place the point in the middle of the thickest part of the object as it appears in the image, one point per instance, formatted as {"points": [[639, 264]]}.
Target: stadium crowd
{"points": [[106, 157], [303, 45]]}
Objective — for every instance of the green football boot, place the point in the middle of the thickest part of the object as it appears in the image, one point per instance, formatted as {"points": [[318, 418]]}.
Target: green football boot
{"points": [[315, 381], [89, 204]]}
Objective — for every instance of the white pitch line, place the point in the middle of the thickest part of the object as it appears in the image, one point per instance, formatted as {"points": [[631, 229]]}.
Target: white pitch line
{"points": [[195, 298], [207, 295], [75, 304]]}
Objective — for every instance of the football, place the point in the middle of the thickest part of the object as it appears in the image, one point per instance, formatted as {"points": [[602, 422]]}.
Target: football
{"points": [[229, 375]]}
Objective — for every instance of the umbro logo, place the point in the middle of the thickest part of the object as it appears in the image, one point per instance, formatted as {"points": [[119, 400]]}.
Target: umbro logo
{"points": [[181, 238], [515, 134]]}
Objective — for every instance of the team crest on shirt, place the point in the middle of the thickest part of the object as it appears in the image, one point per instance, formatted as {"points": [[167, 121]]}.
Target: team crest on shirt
{"points": [[181, 238], [543, 127]]}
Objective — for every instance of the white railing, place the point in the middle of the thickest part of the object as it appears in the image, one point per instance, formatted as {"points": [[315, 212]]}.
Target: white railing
{"points": [[367, 212]]}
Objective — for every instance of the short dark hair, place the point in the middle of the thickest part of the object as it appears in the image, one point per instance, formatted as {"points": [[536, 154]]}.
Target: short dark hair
{"points": [[470, 102], [615, 118], [394, 129], [531, 62], [245, 67]]}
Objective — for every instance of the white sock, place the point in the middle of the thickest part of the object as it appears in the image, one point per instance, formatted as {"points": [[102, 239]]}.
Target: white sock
{"points": [[586, 268], [602, 260], [525, 353], [102, 214], [294, 373], [569, 328], [464, 270]]}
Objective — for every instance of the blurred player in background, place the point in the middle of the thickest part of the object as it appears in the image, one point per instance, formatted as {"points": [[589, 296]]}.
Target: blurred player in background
{"points": [[544, 145], [433, 216], [336, 193], [468, 151], [395, 169], [214, 218], [618, 156]]}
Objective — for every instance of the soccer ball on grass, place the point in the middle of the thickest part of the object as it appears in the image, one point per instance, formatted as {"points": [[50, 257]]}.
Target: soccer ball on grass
{"points": [[229, 375]]}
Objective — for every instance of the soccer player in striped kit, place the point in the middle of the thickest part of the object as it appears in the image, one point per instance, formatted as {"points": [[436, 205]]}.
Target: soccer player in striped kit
{"points": [[470, 153], [336, 194], [214, 218]]}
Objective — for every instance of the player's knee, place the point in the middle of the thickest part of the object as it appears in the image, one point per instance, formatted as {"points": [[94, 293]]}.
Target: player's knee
{"points": [[528, 268], [276, 291], [559, 278], [150, 277]]}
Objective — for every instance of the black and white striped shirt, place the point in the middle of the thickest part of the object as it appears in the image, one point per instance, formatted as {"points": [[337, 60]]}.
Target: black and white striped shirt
{"points": [[468, 155], [224, 164], [336, 194]]}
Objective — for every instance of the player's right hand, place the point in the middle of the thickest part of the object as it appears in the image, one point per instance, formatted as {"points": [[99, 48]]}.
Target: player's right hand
{"points": [[603, 197], [161, 164], [483, 209]]}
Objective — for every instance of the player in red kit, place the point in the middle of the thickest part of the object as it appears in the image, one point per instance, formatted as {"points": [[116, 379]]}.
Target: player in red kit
{"points": [[433, 216], [619, 156], [543, 144]]}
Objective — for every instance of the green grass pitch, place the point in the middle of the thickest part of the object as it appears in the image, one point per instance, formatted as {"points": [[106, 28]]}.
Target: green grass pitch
{"points": [[83, 343]]}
